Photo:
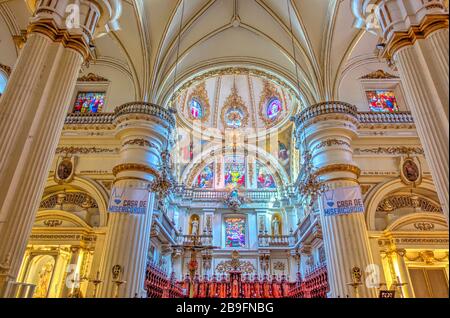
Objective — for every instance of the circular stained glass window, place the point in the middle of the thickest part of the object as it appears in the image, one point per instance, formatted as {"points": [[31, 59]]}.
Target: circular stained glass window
{"points": [[196, 109], [274, 108]]}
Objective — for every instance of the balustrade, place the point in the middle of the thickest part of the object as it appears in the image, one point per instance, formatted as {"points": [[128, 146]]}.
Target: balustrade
{"points": [[159, 285]]}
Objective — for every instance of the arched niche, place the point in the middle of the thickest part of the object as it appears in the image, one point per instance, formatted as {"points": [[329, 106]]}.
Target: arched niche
{"points": [[276, 224], [87, 186], [203, 159], [194, 224], [40, 273], [425, 191]]}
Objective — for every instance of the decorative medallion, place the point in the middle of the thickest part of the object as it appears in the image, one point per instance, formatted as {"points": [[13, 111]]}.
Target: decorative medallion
{"points": [[65, 168], [198, 103], [270, 106], [234, 112], [410, 171]]}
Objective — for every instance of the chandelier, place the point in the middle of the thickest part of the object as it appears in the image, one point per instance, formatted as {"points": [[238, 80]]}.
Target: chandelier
{"points": [[309, 185]]}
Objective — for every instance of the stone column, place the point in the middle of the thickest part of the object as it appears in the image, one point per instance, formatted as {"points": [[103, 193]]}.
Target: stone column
{"points": [[326, 130], [417, 41], [144, 131], [33, 109]]}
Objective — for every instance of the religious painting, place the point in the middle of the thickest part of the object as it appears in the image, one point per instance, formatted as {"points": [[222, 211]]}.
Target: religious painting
{"points": [[64, 171], [205, 180], [89, 102], [383, 101], [410, 171], [235, 232], [274, 109], [265, 179], [234, 175]]}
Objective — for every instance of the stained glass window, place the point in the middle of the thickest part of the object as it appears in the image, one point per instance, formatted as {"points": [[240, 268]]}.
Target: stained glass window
{"points": [[196, 109], [205, 180], [3, 81], [89, 102], [273, 108], [265, 179], [235, 232], [234, 172], [382, 101]]}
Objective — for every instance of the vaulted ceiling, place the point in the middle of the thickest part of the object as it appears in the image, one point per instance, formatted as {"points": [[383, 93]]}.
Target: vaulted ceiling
{"points": [[222, 33]]}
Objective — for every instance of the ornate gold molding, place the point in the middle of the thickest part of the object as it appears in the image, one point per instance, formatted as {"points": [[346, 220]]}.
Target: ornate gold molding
{"points": [[340, 167], [234, 101], [91, 77], [399, 150], [6, 69], [70, 150], [201, 95], [428, 25], [134, 167], [379, 74], [139, 142], [329, 143], [48, 28], [395, 202], [269, 91]]}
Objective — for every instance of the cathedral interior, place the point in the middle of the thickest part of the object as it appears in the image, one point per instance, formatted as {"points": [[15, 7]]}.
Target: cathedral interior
{"points": [[224, 149]]}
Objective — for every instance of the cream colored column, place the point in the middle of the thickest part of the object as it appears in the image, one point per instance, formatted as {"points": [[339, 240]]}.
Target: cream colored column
{"points": [[417, 40], [67, 287], [327, 130], [144, 131], [32, 113]]}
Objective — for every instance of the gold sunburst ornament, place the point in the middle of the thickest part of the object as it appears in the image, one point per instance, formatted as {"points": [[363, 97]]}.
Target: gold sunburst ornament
{"points": [[234, 112]]}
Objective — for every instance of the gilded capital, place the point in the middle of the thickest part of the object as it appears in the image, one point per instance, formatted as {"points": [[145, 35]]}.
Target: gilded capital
{"points": [[402, 23], [74, 23]]}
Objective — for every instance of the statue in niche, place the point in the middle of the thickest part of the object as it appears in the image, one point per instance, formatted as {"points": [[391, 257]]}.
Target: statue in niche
{"points": [[194, 226], [276, 226], [44, 280]]}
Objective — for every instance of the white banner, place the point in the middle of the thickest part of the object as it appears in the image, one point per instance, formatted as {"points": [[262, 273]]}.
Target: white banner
{"points": [[342, 201], [129, 200]]}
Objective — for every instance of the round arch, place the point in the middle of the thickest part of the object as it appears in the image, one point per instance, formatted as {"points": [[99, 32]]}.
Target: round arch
{"points": [[195, 166], [89, 186], [376, 195]]}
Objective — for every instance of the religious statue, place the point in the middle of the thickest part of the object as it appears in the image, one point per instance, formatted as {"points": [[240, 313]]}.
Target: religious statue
{"points": [[44, 280], [194, 227], [276, 226]]}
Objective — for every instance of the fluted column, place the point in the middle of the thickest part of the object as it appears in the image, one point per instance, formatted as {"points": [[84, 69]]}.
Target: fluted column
{"points": [[144, 131], [417, 41], [326, 130], [33, 109]]}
